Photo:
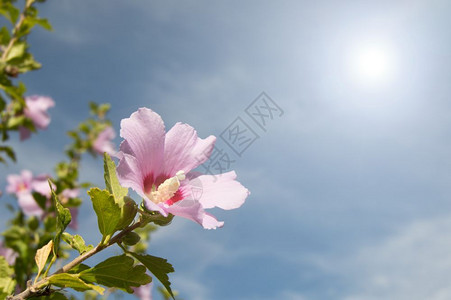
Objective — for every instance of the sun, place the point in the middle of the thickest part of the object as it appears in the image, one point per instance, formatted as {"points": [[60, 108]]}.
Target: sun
{"points": [[373, 64]]}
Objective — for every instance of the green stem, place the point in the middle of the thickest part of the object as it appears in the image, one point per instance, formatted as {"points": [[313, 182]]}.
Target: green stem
{"points": [[16, 28], [34, 289], [50, 265]]}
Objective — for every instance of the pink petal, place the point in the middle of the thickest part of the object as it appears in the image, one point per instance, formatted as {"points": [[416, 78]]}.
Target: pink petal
{"points": [[8, 253], [36, 110], [103, 141], [184, 150], [144, 292], [28, 205], [13, 183], [193, 211], [26, 175], [24, 133], [222, 191], [74, 221], [19, 183], [144, 132], [210, 222], [130, 175], [40, 102], [40, 184], [70, 193]]}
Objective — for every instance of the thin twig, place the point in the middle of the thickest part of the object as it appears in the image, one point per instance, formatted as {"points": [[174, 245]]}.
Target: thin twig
{"points": [[16, 29], [34, 289]]}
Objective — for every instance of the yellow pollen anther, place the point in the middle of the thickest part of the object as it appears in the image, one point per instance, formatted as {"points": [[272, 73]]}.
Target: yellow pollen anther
{"points": [[167, 189]]}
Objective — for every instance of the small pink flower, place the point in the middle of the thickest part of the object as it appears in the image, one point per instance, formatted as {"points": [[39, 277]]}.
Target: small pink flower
{"points": [[103, 141], [9, 254], [157, 166], [143, 292], [36, 110], [23, 186], [70, 193], [19, 183]]}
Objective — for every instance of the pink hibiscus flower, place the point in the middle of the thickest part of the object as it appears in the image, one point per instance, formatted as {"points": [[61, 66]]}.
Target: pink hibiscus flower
{"points": [[103, 141], [36, 110], [157, 165], [23, 186]]}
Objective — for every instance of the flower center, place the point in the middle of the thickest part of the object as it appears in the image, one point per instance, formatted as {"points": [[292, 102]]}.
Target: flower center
{"points": [[21, 187], [167, 189]]}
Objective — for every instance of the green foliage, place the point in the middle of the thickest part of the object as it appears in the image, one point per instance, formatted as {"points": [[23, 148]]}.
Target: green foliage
{"points": [[16, 51], [40, 199], [99, 110], [66, 280], [7, 283], [34, 238], [17, 239], [157, 266], [128, 213], [15, 59], [9, 11], [107, 210], [111, 181], [76, 242], [9, 153], [63, 219], [118, 272], [78, 268]]}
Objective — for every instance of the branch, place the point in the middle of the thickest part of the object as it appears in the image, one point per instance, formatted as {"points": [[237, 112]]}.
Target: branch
{"points": [[16, 28], [36, 289]]}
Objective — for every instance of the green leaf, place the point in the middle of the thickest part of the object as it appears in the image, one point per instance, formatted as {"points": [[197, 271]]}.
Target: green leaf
{"points": [[78, 268], [76, 242], [40, 199], [44, 23], [9, 11], [13, 122], [63, 219], [9, 152], [66, 280], [16, 238], [18, 50], [93, 107], [108, 212], [118, 272], [7, 283], [4, 36], [111, 181], [157, 266]]}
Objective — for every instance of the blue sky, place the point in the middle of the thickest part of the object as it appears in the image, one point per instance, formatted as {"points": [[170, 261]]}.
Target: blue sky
{"points": [[351, 194]]}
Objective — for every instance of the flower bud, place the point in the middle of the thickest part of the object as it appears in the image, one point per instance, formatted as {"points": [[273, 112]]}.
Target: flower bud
{"points": [[33, 223], [131, 238], [163, 221], [128, 213]]}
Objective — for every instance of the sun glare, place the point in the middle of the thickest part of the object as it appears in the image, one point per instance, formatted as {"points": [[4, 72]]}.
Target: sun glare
{"points": [[373, 64]]}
